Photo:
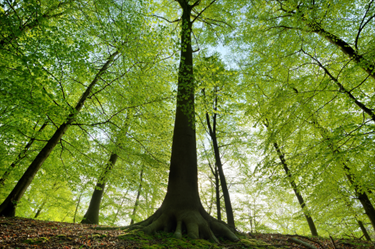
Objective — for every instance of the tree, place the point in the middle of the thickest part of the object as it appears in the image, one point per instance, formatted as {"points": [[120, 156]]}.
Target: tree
{"points": [[92, 214], [8, 207], [217, 77], [182, 208], [302, 203]]}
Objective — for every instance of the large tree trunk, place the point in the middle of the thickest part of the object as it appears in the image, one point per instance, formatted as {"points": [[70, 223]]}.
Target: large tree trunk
{"points": [[8, 207], [92, 214], [219, 165], [137, 199], [181, 209], [302, 203]]}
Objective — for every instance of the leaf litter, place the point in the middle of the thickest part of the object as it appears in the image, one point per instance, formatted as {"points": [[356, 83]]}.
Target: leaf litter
{"points": [[28, 233]]}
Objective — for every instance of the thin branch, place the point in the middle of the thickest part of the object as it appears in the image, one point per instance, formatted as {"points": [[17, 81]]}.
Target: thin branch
{"points": [[364, 24], [200, 13], [165, 19], [144, 147]]}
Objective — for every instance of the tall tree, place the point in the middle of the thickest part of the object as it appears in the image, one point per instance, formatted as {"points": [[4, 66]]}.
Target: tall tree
{"points": [[182, 207], [8, 207], [92, 214], [300, 199], [136, 204]]}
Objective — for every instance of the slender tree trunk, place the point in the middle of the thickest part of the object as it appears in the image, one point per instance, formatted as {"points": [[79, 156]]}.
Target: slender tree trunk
{"points": [[302, 203], [92, 214], [137, 199], [21, 155], [77, 206], [40, 208], [364, 231], [217, 190], [360, 193], [217, 186], [8, 207], [118, 209], [223, 183]]}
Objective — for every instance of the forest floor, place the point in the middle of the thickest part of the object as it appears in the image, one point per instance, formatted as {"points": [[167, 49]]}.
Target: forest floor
{"points": [[29, 233]]}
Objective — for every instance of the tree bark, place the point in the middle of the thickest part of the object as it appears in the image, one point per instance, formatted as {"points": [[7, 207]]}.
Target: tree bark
{"points": [[347, 49], [219, 165], [77, 206], [365, 64], [92, 214], [182, 209], [302, 203], [364, 231], [342, 89], [137, 199], [8, 207], [217, 191]]}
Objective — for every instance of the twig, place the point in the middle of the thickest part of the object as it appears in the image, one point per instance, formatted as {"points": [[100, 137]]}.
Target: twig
{"points": [[300, 242], [333, 242]]}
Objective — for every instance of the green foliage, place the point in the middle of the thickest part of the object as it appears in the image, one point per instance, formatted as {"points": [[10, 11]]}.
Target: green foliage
{"points": [[285, 79]]}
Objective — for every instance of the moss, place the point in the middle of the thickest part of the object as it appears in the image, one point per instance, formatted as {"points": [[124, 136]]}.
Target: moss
{"points": [[35, 241], [166, 240]]}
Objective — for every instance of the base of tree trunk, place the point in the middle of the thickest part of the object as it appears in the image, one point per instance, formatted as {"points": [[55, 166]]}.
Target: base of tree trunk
{"points": [[197, 224], [90, 220], [7, 209]]}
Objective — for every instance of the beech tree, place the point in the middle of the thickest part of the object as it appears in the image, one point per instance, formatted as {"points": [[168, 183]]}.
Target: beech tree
{"points": [[182, 208], [71, 71]]}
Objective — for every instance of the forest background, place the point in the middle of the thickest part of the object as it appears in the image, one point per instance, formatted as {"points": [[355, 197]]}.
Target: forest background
{"points": [[286, 87]]}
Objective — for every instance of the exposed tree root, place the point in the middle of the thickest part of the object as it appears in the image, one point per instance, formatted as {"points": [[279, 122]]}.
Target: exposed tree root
{"points": [[197, 224]]}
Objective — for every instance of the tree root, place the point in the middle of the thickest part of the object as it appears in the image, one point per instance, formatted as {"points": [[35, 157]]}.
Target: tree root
{"points": [[197, 224]]}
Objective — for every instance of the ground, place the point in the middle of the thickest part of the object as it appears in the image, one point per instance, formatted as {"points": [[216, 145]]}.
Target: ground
{"points": [[29, 233]]}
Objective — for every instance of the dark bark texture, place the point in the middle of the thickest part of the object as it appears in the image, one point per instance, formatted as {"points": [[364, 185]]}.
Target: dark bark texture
{"points": [[181, 210], [219, 166], [364, 231], [92, 214], [137, 199]]}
